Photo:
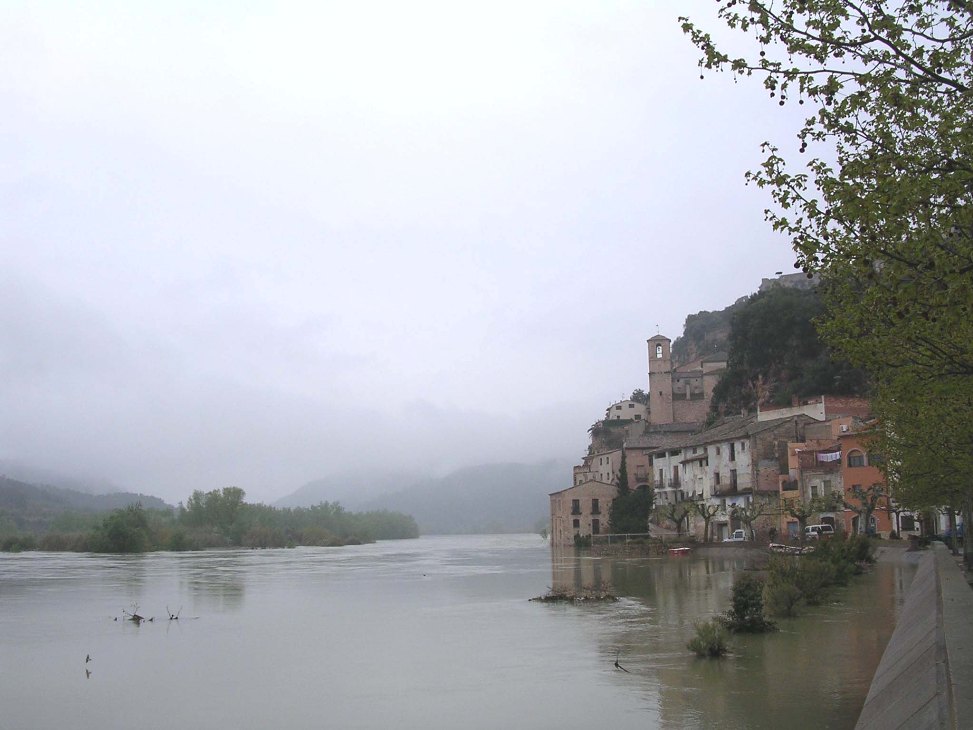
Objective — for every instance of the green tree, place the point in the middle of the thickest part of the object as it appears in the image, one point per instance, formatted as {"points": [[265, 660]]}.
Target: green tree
{"points": [[123, 531], [746, 612], [639, 396], [629, 513], [621, 479], [883, 207], [775, 353]]}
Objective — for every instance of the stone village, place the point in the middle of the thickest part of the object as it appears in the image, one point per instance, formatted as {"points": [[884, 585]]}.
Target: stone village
{"points": [[745, 470]]}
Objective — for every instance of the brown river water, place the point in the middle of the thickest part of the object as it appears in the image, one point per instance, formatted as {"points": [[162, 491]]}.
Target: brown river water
{"points": [[430, 633]]}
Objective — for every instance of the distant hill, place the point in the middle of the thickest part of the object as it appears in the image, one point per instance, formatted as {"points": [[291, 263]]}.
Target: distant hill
{"points": [[32, 507], [34, 475], [353, 491], [492, 498]]}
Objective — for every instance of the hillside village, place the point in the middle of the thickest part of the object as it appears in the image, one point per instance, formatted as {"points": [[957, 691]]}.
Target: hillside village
{"points": [[770, 473]]}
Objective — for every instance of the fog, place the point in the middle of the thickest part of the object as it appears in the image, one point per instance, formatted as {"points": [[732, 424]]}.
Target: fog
{"points": [[256, 244]]}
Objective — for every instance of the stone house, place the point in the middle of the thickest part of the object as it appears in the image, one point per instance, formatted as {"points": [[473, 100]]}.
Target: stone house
{"points": [[680, 394], [627, 410], [728, 465], [580, 510]]}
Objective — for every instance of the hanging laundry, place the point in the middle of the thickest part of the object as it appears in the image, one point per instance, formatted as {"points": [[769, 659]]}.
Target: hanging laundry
{"points": [[834, 456]]}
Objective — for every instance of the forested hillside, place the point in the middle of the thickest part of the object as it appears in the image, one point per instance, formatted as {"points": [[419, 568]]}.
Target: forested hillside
{"points": [[36, 508], [775, 353]]}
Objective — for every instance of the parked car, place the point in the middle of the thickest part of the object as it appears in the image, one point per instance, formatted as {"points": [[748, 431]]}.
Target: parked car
{"points": [[815, 532], [737, 536]]}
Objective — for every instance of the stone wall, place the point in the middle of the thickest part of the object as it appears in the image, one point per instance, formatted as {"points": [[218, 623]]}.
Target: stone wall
{"points": [[925, 677]]}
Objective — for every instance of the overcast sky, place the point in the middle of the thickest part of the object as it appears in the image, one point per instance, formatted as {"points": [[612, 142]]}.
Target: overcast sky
{"points": [[259, 243]]}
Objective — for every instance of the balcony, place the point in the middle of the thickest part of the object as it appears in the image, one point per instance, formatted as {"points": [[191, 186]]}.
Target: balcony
{"points": [[808, 461]]}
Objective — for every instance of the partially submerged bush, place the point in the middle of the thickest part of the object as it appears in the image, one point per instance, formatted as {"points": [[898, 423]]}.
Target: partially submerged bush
{"points": [[782, 600], [710, 639], [746, 614]]}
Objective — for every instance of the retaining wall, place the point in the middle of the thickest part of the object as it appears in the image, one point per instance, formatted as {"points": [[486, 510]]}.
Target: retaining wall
{"points": [[925, 677]]}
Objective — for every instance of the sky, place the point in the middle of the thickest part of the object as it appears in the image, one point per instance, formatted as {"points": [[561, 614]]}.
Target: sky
{"points": [[260, 243]]}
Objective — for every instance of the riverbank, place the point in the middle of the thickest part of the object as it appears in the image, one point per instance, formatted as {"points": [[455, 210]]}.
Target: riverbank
{"points": [[925, 677]]}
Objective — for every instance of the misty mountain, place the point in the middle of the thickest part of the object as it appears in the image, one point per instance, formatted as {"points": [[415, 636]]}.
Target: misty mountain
{"points": [[490, 498], [30, 474], [32, 507], [353, 491]]}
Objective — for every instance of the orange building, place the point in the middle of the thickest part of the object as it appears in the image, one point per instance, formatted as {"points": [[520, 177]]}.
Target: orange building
{"points": [[860, 469]]}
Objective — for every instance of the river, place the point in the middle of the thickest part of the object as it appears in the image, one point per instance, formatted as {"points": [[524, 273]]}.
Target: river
{"points": [[430, 633]]}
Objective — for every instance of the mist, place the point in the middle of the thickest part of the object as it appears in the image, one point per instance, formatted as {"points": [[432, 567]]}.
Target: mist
{"points": [[261, 244]]}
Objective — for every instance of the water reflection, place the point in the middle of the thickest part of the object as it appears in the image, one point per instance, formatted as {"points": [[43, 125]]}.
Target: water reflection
{"points": [[431, 633], [814, 672], [216, 581]]}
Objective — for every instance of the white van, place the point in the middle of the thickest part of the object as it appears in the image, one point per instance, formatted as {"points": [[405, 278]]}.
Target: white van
{"points": [[814, 532]]}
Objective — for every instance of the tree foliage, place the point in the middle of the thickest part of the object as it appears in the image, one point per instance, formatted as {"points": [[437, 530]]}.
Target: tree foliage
{"points": [[222, 518], [629, 512], [746, 612], [775, 353], [882, 208]]}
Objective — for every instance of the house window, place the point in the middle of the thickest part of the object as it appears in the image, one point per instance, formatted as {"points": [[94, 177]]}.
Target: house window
{"points": [[814, 491], [576, 524], [594, 507], [826, 489], [733, 452], [716, 477], [717, 450], [743, 446], [658, 353], [638, 417], [733, 478], [618, 408], [907, 522], [631, 405], [856, 458], [595, 527], [576, 506]]}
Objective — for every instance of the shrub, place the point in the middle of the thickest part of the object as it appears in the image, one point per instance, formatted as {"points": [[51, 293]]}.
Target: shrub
{"points": [[746, 614], [814, 579], [17, 543], [710, 639], [582, 541], [781, 599], [781, 592]]}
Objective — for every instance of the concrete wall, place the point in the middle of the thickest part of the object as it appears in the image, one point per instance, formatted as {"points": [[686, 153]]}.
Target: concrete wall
{"points": [[925, 678]]}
